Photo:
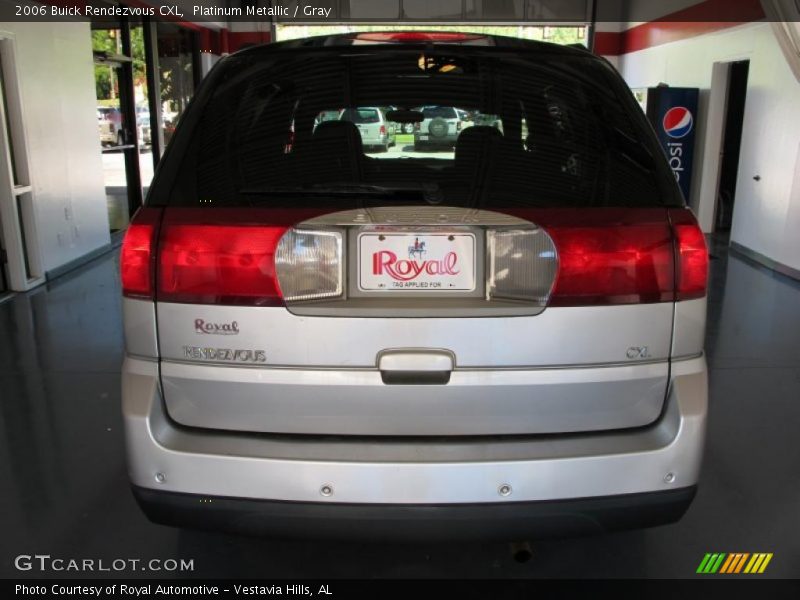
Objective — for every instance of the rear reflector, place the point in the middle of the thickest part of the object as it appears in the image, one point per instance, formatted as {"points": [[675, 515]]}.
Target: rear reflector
{"points": [[136, 263], [219, 264], [691, 256]]}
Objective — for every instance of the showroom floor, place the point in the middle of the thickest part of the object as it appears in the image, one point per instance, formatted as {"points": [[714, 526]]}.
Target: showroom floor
{"points": [[65, 492]]}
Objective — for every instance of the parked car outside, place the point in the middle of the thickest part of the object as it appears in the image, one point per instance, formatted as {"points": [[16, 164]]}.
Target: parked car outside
{"points": [[144, 137], [441, 126], [109, 125], [327, 115], [377, 132], [505, 341]]}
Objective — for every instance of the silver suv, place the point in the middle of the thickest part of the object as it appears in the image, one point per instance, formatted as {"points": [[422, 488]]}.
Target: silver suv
{"points": [[441, 126], [505, 342], [376, 131]]}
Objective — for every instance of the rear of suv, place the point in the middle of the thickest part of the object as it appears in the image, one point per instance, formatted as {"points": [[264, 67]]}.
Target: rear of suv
{"points": [[505, 341], [440, 126]]}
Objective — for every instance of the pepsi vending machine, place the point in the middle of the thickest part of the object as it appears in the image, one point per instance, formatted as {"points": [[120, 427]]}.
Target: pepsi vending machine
{"points": [[672, 112]]}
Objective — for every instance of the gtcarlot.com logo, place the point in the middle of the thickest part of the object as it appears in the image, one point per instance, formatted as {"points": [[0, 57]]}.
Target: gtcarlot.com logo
{"points": [[48, 563], [734, 563]]}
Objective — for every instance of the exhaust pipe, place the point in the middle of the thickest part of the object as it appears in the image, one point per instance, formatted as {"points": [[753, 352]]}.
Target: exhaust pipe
{"points": [[521, 552]]}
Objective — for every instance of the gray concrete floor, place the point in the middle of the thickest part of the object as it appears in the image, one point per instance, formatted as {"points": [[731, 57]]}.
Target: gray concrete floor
{"points": [[65, 491]]}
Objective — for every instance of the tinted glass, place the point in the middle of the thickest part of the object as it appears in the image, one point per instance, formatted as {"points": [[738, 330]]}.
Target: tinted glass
{"points": [[538, 130]]}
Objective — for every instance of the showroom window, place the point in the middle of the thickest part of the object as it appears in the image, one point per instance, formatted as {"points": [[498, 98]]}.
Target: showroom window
{"points": [[145, 75]]}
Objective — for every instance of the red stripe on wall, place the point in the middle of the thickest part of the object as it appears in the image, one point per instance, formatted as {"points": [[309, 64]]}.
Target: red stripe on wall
{"points": [[681, 25], [607, 43], [657, 33]]}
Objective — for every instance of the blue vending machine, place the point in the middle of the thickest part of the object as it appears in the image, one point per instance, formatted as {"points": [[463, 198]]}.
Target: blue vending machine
{"points": [[673, 114]]}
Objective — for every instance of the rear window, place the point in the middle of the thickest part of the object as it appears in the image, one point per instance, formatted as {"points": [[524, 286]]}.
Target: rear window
{"points": [[535, 130]]}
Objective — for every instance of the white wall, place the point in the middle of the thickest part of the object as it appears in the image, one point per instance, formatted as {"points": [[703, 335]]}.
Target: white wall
{"points": [[55, 70], [767, 213]]}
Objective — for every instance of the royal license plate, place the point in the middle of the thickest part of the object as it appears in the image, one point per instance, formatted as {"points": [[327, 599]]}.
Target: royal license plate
{"points": [[435, 262]]}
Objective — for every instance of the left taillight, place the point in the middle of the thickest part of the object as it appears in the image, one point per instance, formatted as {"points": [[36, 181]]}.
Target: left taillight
{"points": [[219, 263], [235, 256], [137, 257]]}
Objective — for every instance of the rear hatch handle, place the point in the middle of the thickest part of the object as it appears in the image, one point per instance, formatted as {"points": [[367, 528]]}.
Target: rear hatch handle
{"points": [[416, 366]]}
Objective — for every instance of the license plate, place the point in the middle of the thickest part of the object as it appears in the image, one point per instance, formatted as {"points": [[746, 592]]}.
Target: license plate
{"points": [[423, 137], [430, 262]]}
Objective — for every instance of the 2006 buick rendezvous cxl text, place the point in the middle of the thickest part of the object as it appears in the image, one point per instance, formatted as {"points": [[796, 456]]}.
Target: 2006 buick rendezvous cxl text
{"points": [[501, 339]]}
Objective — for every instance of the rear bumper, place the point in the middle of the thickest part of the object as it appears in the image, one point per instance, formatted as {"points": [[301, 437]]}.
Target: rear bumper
{"points": [[512, 521], [418, 476], [445, 140], [376, 140]]}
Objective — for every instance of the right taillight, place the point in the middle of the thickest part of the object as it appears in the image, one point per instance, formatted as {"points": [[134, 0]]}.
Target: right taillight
{"points": [[610, 256], [613, 264], [691, 256], [137, 257]]}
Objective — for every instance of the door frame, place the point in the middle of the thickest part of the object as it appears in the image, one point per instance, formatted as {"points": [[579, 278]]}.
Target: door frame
{"points": [[17, 196], [716, 121]]}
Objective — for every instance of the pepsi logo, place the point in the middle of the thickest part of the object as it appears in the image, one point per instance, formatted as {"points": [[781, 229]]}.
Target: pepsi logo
{"points": [[677, 122]]}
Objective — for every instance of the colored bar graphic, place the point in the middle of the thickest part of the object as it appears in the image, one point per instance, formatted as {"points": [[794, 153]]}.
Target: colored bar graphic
{"points": [[733, 563], [717, 564], [728, 564], [704, 563], [741, 562], [749, 567], [765, 563], [711, 563]]}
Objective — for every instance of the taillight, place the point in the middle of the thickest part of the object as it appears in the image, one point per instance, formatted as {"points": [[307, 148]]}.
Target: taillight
{"points": [[382, 130], [619, 264], [137, 262], [691, 256], [219, 264], [458, 125]]}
